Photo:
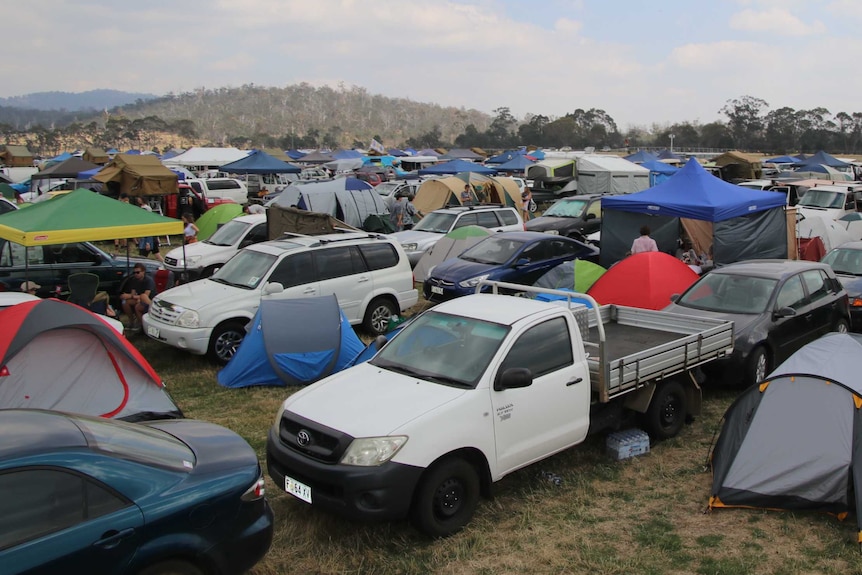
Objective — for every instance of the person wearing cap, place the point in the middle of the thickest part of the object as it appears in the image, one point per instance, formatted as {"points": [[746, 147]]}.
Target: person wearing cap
{"points": [[30, 287]]}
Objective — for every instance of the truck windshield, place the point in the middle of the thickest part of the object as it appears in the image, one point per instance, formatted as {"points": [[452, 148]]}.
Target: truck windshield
{"points": [[228, 234], [442, 348], [822, 199]]}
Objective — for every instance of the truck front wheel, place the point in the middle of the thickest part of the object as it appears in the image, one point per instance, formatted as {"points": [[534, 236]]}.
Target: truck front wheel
{"points": [[446, 498], [667, 410]]}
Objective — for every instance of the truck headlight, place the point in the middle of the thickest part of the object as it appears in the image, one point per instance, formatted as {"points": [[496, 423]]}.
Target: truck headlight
{"points": [[410, 247], [276, 425], [473, 282], [189, 318], [370, 451], [193, 260]]}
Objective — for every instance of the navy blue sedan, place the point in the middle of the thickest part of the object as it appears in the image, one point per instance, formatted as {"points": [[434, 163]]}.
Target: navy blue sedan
{"points": [[90, 495], [846, 262], [515, 257]]}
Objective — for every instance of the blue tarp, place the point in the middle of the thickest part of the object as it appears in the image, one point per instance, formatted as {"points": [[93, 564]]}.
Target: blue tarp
{"points": [[259, 162], [695, 193], [641, 156], [293, 342], [456, 167]]}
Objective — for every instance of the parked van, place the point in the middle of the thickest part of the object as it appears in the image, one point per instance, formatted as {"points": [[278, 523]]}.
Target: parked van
{"points": [[224, 188], [830, 201]]}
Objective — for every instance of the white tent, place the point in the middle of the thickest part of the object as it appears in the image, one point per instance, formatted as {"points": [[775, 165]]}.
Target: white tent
{"points": [[831, 232], [598, 174], [206, 157]]}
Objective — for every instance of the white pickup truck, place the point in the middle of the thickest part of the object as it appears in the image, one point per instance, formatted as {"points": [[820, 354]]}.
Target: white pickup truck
{"points": [[476, 388]]}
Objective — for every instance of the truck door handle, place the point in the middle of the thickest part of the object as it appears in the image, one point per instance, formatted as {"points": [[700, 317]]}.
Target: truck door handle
{"points": [[362, 279], [574, 381]]}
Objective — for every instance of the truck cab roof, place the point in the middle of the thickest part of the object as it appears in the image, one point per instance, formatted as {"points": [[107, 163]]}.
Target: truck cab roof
{"points": [[502, 309]]}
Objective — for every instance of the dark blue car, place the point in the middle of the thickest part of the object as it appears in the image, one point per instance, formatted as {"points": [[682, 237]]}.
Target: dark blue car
{"points": [[91, 495], [516, 257], [846, 262]]}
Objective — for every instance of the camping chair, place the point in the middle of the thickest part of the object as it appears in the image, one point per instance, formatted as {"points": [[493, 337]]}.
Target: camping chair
{"points": [[83, 288]]}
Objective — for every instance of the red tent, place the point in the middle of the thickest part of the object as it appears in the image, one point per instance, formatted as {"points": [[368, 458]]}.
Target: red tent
{"points": [[645, 280], [56, 355]]}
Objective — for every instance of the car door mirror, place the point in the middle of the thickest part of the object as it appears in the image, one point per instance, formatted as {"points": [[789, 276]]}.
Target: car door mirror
{"points": [[785, 312], [514, 378], [521, 263], [380, 341], [272, 288], [674, 297], [589, 217]]}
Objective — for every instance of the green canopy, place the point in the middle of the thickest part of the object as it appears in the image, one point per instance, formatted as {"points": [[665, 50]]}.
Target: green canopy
{"points": [[82, 215], [209, 222]]}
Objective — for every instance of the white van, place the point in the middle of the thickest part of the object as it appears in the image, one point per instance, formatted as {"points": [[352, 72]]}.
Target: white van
{"points": [[368, 273], [201, 259], [225, 188], [830, 201]]}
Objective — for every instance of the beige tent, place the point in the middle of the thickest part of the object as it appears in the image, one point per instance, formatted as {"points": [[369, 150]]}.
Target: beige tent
{"points": [[96, 156], [738, 166], [435, 194], [16, 156], [142, 175]]}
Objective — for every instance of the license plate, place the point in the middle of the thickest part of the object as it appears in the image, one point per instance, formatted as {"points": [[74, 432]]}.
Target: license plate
{"points": [[297, 489], [152, 331], [437, 290]]}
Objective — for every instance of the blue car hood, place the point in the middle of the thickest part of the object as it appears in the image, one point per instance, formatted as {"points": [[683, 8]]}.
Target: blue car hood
{"points": [[456, 270], [852, 284]]}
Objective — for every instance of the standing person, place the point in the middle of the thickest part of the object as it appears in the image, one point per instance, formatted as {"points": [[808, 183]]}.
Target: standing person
{"points": [[410, 213], [528, 205], [190, 232], [136, 297], [151, 245], [466, 196], [396, 214], [644, 243], [141, 203]]}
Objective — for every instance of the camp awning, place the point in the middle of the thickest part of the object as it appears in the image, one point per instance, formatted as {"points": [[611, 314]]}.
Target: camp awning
{"points": [[139, 175], [81, 216]]}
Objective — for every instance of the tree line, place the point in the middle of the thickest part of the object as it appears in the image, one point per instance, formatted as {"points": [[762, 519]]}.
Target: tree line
{"points": [[302, 116]]}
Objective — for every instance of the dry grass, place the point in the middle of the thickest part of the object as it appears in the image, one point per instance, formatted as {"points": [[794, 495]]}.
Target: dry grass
{"points": [[641, 516]]}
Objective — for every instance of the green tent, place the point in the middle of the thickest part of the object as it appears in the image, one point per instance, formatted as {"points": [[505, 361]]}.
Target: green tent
{"points": [[81, 216], [210, 221], [579, 275], [7, 191]]}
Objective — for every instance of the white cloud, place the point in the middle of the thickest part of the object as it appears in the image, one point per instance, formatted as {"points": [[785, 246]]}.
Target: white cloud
{"points": [[775, 21]]}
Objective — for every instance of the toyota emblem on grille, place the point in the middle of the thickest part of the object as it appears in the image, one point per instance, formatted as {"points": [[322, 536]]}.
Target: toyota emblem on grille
{"points": [[303, 438]]}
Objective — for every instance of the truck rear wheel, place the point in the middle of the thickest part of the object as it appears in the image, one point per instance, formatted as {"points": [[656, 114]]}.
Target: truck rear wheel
{"points": [[667, 410], [446, 498]]}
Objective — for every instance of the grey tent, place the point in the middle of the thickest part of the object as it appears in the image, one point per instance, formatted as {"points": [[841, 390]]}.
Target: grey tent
{"points": [[449, 246], [348, 199], [795, 441]]}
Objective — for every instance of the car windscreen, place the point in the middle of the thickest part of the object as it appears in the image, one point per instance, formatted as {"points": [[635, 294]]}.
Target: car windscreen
{"points": [[492, 250], [729, 293], [228, 234], [822, 199], [443, 348], [566, 209], [386, 188], [845, 261], [136, 442], [245, 270], [436, 223]]}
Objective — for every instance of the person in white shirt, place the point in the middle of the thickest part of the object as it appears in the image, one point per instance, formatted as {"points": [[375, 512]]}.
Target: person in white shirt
{"points": [[644, 243]]}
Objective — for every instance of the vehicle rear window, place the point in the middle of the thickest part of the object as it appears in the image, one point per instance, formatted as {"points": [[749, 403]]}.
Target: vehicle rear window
{"points": [[338, 262], [223, 185], [379, 256], [488, 220]]}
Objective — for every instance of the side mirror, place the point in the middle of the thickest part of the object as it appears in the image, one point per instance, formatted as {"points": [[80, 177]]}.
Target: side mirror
{"points": [[380, 341], [589, 217], [521, 263], [514, 378], [272, 288], [785, 312], [674, 297]]}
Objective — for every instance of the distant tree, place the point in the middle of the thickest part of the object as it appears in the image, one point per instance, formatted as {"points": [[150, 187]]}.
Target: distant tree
{"points": [[745, 120]]}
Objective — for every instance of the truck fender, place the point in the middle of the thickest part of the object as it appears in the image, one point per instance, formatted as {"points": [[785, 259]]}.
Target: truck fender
{"points": [[477, 459], [640, 400]]}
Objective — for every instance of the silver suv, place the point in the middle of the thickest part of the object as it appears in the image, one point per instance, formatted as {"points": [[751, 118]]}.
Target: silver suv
{"points": [[440, 222]]}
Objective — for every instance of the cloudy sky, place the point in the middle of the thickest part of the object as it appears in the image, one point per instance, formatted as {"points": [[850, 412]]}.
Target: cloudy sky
{"points": [[642, 62]]}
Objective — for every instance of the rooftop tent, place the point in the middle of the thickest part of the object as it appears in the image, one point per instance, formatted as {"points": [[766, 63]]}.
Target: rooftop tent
{"points": [[640, 157], [16, 156], [206, 157], [793, 441], [645, 280], [518, 164], [821, 157], [739, 223], [69, 168], [259, 162], [668, 155], [139, 176], [316, 157], [277, 351], [739, 166], [456, 167], [347, 155], [610, 175], [81, 216], [96, 155], [349, 199], [92, 369]]}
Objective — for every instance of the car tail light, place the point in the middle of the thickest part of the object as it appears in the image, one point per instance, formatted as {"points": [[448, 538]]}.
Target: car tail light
{"points": [[856, 302], [255, 492]]}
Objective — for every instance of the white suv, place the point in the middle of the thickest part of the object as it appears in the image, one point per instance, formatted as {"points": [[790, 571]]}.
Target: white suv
{"points": [[368, 273], [202, 259], [440, 222]]}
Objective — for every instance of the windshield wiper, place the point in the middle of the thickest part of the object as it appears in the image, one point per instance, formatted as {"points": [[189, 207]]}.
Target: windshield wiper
{"points": [[227, 283], [403, 369], [446, 380]]}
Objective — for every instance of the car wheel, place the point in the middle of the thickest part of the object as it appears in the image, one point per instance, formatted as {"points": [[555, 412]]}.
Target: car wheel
{"points": [[446, 498], [377, 315], [667, 411], [758, 366], [174, 567], [841, 326], [225, 340]]}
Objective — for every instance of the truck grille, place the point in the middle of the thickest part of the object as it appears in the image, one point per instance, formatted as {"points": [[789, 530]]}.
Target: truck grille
{"points": [[164, 312], [318, 441], [171, 261]]}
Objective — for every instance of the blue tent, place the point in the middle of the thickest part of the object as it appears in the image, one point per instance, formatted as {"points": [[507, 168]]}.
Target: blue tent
{"points": [[397, 153], [641, 156], [347, 155], [294, 154], [822, 158], [259, 162], [519, 163], [782, 160], [746, 223], [668, 155], [293, 342], [659, 171], [505, 157], [456, 167]]}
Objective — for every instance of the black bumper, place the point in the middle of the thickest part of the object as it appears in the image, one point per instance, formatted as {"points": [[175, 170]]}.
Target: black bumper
{"points": [[383, 492]]}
